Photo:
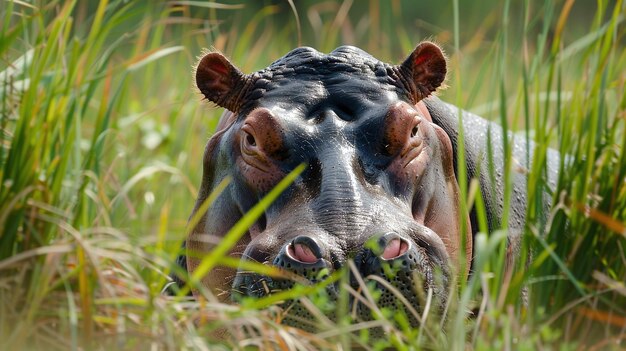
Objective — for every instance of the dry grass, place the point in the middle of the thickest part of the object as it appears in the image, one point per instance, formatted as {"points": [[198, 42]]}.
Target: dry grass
{"points": [[102, 136]]}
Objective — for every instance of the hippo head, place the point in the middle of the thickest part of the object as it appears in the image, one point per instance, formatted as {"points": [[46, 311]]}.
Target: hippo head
{"points": [[377, 169]]}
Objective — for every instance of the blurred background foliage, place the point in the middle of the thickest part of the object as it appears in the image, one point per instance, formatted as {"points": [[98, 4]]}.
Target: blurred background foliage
{"points": [[102, 135]]}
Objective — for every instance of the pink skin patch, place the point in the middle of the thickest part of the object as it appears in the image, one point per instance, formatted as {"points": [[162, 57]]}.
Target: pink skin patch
{"points": [[395, 248], [422, 57], [301, 253]]}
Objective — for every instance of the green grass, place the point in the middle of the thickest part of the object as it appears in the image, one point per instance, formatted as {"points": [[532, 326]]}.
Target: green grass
{"points": [[102, 135]]}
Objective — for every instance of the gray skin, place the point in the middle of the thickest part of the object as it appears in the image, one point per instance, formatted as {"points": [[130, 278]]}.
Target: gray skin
{"points": [[381, 163]]}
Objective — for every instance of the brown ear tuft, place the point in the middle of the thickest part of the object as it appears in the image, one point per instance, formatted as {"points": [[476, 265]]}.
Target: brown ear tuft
{"points": [[425, 68], [220, 81]]}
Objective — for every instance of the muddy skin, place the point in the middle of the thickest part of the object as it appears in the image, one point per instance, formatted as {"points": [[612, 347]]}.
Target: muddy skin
{"points": [[381, 167]]}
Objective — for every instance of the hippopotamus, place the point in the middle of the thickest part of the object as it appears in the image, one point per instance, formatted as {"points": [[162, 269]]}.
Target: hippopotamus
{"points": [[381, 165]]}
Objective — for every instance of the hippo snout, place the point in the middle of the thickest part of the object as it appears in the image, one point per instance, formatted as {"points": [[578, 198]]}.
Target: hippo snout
{"points": [[301, 256], [403, 270]]}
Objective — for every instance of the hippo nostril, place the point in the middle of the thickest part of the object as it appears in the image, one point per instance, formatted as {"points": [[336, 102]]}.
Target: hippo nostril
{"points": [[301, 253], [304, 249], [394, 246]]}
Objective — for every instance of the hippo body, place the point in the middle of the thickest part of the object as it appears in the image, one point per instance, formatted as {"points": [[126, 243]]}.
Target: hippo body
{"points": [[381, 163]]}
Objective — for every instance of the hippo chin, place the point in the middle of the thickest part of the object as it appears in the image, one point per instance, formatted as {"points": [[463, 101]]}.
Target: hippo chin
{"points": [[380, 158]]}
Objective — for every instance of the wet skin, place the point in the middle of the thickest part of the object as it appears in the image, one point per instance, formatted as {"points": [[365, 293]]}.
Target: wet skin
{"points": [[380, 159]]}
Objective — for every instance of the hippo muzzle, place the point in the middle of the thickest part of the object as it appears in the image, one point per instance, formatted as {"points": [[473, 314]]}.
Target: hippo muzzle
{"points": [[379, 188]]}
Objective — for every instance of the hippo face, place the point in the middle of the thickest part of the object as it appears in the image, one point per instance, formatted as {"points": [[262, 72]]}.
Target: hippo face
{"points": [[377, 169]]}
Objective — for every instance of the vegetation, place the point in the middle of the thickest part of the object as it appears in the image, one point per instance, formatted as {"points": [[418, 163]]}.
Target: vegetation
{"points": [[102, 135]]}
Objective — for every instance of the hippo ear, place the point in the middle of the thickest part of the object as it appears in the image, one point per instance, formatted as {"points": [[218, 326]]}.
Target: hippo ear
{"points": [[219, 81], [425, 69]]}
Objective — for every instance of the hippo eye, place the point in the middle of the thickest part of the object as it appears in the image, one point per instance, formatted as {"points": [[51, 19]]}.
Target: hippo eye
{"points": [[250, 139], [414, 131]]}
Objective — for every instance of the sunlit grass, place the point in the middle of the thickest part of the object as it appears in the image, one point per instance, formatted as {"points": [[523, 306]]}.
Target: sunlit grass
{"points": [[101, 143]]}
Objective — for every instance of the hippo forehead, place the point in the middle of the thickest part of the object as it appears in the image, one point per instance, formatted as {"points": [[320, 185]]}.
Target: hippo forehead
{"points": [[305, 78]]}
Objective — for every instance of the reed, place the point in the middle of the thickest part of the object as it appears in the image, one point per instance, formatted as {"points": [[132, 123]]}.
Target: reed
{"points": [[102, 135]]}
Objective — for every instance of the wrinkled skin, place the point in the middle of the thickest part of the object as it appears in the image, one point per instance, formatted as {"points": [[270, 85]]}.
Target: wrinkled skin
{"points": [[380, 159]]}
